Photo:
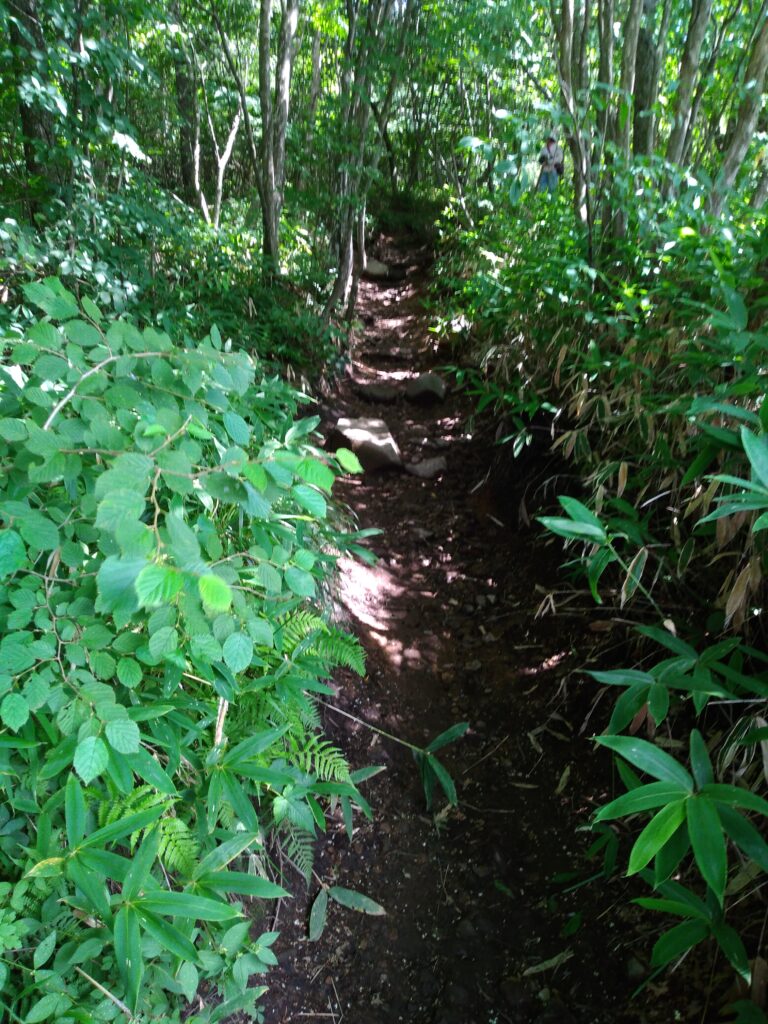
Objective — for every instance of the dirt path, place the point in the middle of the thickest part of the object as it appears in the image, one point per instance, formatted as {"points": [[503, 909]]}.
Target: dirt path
{"points": [[478, 928]]}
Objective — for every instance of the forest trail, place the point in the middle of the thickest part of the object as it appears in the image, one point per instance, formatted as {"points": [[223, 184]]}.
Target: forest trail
{"points": [[448, 619]]}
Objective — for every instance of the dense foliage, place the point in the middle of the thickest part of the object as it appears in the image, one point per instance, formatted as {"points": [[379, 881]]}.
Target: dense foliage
{"points": [[167, 535]]}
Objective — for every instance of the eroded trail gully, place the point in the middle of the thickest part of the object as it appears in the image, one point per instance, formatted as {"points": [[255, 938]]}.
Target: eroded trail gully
{"points": [[477, 929]]}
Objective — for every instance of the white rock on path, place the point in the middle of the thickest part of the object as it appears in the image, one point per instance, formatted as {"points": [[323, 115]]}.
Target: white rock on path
{"points": [[370, 440], [426, 388]]}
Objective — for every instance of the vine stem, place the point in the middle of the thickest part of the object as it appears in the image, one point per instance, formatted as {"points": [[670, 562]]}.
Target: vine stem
{"points": [[373, 728]]}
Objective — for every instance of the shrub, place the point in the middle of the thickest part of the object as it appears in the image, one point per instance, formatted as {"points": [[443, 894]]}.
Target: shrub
{"points": [[166, 527]]}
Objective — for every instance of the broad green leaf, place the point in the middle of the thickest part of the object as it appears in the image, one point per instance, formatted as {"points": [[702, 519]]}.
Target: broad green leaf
{"points": [[14, 711], [573, 530], [39, 531], [243, 884], [238, 651], [118, 507], [300, 582], [141, 866], [129, 672], [91, 758], [644, 798], [655, 834], [74, 810], [215, 593], [123, 735], [237, 428], [648, 758], [745, 835], [708, 843], [157, 585], [677, 941], [355, 900], [127, 941], [348, 460], [735, 796], [756, 447], [43, 952], [453, 733], [445, 780], [13, 554], [311, 500], [169, 937], [315, 472], [184, 904], [700, 763]]}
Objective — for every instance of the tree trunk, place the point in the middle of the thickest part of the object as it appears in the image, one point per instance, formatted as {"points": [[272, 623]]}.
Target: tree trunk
{"points": [[627, 84], [25, 37], [689, 66], [605, 71], [749, 111], [646, 84]]}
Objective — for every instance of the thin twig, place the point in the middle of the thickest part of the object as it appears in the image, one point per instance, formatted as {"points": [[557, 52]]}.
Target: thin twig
{"points": [[105, 991]]}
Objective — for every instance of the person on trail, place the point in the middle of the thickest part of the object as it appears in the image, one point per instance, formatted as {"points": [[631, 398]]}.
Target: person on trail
{"points": [[552, 167]]}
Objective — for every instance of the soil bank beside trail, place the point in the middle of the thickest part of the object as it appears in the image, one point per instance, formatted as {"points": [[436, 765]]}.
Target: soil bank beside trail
{"points": [[478, 928]]}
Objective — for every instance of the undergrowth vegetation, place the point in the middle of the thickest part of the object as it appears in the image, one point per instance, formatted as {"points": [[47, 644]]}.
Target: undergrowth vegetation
{"points": [[644, 367], [167, 533]]}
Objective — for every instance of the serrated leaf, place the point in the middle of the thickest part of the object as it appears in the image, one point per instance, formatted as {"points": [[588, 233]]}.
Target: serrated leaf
{"points": [[91, 758], [123, 735], [118, 507], [13, 554], [214, 592], [14, 711], [129, 672], [238, 651], [310, 500], [237, 428], [157, 585], [163, 642], [300, 582], [348, 460]]}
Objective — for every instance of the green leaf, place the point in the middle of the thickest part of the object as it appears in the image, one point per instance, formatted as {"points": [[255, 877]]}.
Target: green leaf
{"points": [[348, 460], [127, 943], [115, 580], [644, 798], [163, 642], [91, 758], [169, 937], [573, 530], [700, 763], [44, 951], [756, 448], [141, 866], [157, 585], [215, 593], [311, 500], [735, 796], [123, 735], [300, 582], [648, 758], [451, 734], [315, 472], [184, 904], [655, 834], [238, 651], [318, 915], [13, 430], [237, 428], [243, 884], [74, 811], [444, 779], [355, 901], [118, 507], [129, 672], [708, 843], [47, 1008], [678, 940], [745, 835], [13, 554], [14, 711], [39, 532]]}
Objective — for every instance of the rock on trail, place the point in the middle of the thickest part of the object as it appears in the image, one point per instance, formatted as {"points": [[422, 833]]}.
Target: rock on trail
{"points": [[370, 440], [426, 389]]}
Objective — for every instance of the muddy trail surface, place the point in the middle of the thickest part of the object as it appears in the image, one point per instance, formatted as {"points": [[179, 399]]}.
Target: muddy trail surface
{"points": [[485, 919]]}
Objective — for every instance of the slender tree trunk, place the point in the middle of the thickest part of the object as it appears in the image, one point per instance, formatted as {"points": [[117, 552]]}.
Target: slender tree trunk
{"points": [[605, 71], [646, 78], [627, 84], [689, 66], [25, 37], [749, 111]]}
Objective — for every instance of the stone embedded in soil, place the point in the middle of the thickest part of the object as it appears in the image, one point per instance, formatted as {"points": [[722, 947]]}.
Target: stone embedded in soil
{"points": [[376, 270], [427, 469], [370, 440], [383, 393], [426, 388]]}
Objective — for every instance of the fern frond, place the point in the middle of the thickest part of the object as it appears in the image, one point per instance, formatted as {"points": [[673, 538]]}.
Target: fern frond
{"points": [[179, 849], [337, 648], [296, 626], [321, 758], [299, 847]]}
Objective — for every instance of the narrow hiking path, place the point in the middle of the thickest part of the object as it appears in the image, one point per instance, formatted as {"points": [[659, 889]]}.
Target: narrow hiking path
{"points": [[477, 931]]}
